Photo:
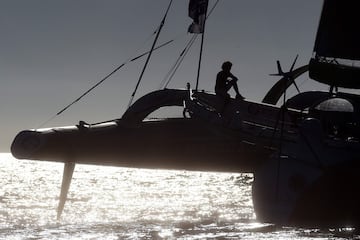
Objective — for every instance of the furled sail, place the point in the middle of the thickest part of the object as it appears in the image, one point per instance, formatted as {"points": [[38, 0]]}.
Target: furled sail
{"points": [[337, 44]]}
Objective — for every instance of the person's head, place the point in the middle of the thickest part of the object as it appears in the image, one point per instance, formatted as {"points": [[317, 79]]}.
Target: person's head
{"points": [[226, 66]]}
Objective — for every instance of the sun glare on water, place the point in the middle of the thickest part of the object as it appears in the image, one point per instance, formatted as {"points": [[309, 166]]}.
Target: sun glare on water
{"points": [[108, 194], [124, 203]]}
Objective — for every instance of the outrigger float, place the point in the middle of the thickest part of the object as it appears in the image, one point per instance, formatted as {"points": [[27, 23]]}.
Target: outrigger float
{"points": [[304, 154]]}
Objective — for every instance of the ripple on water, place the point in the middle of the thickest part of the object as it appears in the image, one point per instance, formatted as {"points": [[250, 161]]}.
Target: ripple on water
{"points": [[123, 203]]}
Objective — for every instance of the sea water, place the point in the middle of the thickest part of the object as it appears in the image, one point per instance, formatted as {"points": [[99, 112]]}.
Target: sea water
{"points": [[123, 203]]}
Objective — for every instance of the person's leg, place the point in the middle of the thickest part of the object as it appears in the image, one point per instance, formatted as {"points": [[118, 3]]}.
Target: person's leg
{"points": [[236, 88], [226, 99]]}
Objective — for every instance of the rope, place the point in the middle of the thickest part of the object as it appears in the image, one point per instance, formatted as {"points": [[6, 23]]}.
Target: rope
{"points": [[182, 59], [177, 63], [101, 81], [213, 7], [130, 59], [150, 53]]}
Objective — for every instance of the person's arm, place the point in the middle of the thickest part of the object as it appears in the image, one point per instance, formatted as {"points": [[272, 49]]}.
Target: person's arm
{"points": [[233, 77]]}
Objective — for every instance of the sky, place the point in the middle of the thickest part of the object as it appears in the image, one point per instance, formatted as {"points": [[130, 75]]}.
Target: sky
{"points": [[53, 51]]}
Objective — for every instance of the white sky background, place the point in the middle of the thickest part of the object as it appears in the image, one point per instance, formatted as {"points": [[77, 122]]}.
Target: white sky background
{"points": [[52, 51]]}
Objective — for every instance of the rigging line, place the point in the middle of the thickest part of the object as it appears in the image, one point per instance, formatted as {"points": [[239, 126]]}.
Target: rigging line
{"points": [[212, 8], [106, 77], [150, 53], [109, 75], [180, 59], [102, 80], [174, 67], [159, 46], [124, 63], [47, 121]]}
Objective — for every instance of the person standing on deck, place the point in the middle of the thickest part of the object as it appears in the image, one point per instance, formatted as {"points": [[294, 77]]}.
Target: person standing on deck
{"points": [[224, 81]]}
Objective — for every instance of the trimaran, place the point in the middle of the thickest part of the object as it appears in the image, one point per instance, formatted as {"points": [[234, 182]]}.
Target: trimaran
{"points": [[304, 154]]}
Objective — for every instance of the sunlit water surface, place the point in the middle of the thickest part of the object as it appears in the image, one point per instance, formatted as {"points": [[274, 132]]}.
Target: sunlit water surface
{"points": [[123, 203]]}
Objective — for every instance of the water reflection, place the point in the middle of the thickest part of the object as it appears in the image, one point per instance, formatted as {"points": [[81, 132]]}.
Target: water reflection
{"points": [[122, 203]]}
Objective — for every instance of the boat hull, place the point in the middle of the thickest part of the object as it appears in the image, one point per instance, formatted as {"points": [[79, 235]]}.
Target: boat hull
{"points": [[166, 144], [313, 181]]}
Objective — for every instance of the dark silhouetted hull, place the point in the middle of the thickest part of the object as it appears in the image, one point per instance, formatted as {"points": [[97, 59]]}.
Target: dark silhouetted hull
{"points": [[167, 144]]}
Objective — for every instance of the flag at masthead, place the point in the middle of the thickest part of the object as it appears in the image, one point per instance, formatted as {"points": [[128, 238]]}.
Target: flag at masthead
{"points": [[197, 11]]}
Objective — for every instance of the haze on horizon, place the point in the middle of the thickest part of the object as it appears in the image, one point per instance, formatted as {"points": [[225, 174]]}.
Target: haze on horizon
{"points": [[53, 51]]}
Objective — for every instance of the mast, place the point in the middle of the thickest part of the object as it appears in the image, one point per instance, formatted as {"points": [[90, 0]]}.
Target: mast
{"points": [[198, 12], [201, 53]]}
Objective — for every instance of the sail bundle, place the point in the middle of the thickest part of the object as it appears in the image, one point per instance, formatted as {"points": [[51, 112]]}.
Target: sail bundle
{"points": [[337, 44]]}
